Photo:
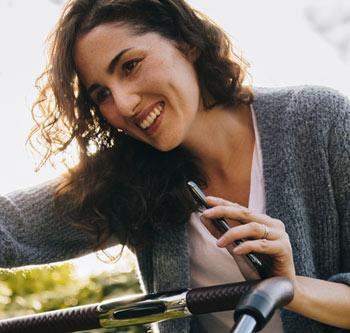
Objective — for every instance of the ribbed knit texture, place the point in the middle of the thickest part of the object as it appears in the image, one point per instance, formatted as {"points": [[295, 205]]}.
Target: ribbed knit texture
{"points": [[31, 232], [305, 140]]}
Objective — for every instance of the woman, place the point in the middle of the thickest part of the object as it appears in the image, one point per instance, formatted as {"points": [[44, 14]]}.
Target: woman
{"points": [[152, 94]]}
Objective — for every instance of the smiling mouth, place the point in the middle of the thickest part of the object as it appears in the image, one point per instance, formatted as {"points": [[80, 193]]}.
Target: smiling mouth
{"points": [[152, 117]]}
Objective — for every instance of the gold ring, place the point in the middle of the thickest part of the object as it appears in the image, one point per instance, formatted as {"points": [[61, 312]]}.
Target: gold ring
{"points": [[266, 232]]}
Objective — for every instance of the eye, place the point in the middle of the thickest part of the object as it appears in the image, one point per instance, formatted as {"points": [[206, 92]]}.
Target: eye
{"points": [[101, 96], [129, 66]]}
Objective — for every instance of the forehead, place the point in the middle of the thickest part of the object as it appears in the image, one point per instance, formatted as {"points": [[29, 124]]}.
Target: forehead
{"points": [[94, 50], [104, 35]]}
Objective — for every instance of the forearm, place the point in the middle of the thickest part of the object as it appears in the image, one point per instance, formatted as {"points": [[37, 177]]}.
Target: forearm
{"points": [[33, 232], [323, 301]]}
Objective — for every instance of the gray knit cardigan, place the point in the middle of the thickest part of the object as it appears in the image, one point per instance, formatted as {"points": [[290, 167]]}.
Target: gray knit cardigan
{"points": [[305, 140]]}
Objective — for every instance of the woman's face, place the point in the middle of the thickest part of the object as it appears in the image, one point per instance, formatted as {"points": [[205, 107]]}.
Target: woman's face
{"points": [[142, 84]]}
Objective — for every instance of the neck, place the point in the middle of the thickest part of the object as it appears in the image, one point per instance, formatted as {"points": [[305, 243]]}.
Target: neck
{"points": [[223, 139]]}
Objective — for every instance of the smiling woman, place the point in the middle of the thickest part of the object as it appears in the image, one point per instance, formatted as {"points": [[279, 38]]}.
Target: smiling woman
{"points": [[153, 94], [140, 83], [308, 52]]}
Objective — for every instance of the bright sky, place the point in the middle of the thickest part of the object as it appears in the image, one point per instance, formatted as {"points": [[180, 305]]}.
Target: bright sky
{"points": [[273, 35]]}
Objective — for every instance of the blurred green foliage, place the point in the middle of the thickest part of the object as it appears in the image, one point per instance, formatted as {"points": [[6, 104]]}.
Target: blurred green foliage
{"points": [[46, 288]]}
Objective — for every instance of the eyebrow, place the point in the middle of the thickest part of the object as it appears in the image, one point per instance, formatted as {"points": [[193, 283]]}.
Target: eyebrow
{"points": [[110, 69], [115, 61]]}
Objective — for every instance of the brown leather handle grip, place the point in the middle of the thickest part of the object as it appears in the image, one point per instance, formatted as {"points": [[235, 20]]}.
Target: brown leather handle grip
{"points": [[59, 321], [217, 298]]}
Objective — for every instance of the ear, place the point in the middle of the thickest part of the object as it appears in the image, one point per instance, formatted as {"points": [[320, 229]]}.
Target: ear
{"points": [[191, 52]]}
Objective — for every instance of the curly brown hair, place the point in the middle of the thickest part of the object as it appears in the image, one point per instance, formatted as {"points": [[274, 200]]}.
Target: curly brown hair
{"points": [[126, 187]]}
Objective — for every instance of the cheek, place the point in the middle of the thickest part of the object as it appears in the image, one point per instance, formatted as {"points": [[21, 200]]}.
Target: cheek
{"points": [[185, 79], [112, 116], [161, 72], [154, 77]]}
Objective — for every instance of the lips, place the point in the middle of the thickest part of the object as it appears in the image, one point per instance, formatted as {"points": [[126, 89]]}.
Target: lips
{"points": [[150, 116]]}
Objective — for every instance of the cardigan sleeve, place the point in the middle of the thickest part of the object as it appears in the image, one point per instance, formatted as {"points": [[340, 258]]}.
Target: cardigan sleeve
{"points": [[339, 162], [31, 231]]}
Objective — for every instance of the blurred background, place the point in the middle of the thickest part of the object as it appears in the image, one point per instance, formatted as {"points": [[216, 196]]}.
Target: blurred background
{"points": [[286, 42]]}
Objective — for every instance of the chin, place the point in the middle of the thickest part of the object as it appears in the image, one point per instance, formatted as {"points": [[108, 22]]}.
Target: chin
{"points": [[164, 149], [166, 146]]}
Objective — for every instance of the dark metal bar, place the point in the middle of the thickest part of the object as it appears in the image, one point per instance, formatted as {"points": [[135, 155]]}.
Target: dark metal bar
{"points": [[245, 324]]}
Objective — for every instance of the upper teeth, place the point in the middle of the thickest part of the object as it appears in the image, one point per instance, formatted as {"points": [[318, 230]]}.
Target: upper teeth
{"points": [[150, 119]]}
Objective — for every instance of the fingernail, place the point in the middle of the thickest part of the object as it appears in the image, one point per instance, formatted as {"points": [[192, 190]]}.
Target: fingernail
{"points": [[221, 242], [208, 212], [237, 250]]}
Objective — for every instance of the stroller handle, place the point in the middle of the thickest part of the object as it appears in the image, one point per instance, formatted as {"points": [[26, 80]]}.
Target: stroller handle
{"points": [[135, 310]]}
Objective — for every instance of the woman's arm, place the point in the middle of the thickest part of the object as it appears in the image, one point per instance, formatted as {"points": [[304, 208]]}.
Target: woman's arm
{"points": [[324, 301], [32, 232]]}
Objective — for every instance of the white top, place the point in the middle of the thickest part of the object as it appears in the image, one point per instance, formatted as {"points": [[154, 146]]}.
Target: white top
{"points": [[211, 265]]}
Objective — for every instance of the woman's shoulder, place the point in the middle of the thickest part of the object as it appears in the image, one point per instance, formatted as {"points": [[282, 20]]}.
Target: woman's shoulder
{"points": [[306, 100], [307, 94], [38, 191]]}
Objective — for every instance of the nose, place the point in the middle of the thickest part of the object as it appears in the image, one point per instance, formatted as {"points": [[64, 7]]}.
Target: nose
{"points": [[126, 99]]}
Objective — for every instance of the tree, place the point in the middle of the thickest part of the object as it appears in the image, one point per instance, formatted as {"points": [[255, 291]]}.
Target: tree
{"points": [[47, 288]]}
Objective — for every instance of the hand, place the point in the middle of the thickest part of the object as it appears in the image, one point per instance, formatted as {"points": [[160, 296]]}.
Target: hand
{"points": [[323, 301], [254, 227]]}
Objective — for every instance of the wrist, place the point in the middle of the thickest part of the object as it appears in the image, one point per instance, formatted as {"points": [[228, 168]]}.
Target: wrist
{"points": [[299, 296]]}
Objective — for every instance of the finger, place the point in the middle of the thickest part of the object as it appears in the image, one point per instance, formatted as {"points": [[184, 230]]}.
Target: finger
{"points": [[277, 254], [239, 213], [275, 248], [215, 201], [251, 230]]}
